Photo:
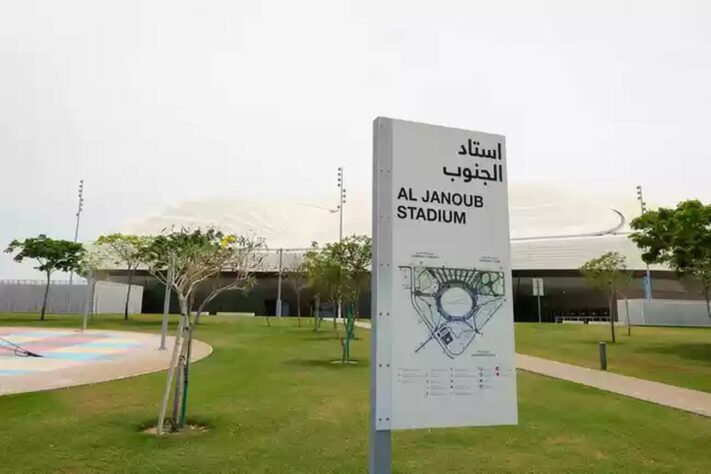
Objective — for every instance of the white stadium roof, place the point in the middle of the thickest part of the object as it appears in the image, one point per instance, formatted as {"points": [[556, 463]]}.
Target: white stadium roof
{"points": [[571, 253], [552, 227]]}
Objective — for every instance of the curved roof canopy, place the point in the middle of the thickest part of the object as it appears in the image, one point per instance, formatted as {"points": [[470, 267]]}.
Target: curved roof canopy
{"points": [[552, 227]]}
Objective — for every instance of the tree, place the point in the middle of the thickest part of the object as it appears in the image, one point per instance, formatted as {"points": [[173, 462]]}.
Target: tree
{"points": [[297, 278], [679, 238], [357, 257], [354, 254], [126, 250], [225, 262], [338, 271], [323, 275], [50, 254], [607, 272]]}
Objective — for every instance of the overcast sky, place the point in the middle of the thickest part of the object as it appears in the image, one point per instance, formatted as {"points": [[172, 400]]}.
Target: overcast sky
{"points": [[155, 103]]}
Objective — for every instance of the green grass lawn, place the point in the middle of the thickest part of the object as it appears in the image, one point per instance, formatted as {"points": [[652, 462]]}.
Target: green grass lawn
{"points": [[678, 356], [276, 404]]}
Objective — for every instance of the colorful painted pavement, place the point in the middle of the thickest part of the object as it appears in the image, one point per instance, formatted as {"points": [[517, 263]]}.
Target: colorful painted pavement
{"points": [[71, 357], [61, 348]]}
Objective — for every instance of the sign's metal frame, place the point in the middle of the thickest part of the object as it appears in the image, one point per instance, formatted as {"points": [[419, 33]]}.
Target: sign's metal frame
{"points": [[380, 351]]}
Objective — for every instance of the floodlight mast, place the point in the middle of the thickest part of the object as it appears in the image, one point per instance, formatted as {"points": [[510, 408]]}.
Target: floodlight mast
{"points": [[339, 210], [648, 277], [80, 206], [278, 301], [341, 203]]}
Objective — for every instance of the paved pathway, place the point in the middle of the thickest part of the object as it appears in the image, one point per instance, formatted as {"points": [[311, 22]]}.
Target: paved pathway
{"points": [[685, 399]]}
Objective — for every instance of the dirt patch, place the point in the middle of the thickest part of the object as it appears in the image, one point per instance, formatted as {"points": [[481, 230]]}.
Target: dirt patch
{"points": [[187, 429]]}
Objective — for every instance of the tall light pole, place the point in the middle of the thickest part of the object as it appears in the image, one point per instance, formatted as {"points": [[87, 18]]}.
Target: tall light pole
{"points": [[278, 301], [80, 206], [648, 277], [341, 203]]}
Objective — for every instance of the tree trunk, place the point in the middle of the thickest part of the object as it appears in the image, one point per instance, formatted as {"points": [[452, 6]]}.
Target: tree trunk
{"points": [[349, 320], [344, 341], [46, 294], [128, 292], [611, 299], [708, 305], [179, 399], [191, 301], [356, 305], [171, 370], [317, 314], [627, 310], [336, 306], [186, 376], [356, 313], [177, 393], [341, 340]]}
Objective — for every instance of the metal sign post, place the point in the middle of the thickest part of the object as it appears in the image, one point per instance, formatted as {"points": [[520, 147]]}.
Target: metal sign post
{"points": [[539, 309], [442, 346], [537, 284]]}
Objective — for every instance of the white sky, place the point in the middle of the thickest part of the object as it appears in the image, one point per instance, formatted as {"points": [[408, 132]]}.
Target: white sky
{"points": [[155, 103]]}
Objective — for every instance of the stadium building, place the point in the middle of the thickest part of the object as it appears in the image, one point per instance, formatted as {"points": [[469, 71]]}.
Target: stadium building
{"points": [[554, 232]]}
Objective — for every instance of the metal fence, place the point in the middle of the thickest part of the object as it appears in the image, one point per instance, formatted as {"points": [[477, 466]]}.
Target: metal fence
{"points": [[78, 281], [659, 312], [64, 298], [582, 319]]}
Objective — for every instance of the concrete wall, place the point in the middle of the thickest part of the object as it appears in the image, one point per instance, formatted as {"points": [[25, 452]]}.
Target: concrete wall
{"points": [[664, 312], [108, 298]]}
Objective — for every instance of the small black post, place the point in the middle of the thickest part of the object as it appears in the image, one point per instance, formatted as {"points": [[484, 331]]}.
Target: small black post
{"points": [[603, 355]]}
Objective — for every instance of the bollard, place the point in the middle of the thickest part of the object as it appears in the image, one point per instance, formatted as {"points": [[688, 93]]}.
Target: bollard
{"points": [[603, 355]]}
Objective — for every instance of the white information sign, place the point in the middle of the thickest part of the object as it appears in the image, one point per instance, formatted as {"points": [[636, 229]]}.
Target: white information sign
{"points": [[537, 284], [443, 337]]}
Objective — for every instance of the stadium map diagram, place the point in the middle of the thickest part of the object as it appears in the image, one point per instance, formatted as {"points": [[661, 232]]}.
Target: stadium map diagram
{"points": [[453, 304]]}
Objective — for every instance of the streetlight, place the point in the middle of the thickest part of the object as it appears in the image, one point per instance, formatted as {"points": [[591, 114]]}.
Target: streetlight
{"points": [[648, 277], [78, 215]]}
